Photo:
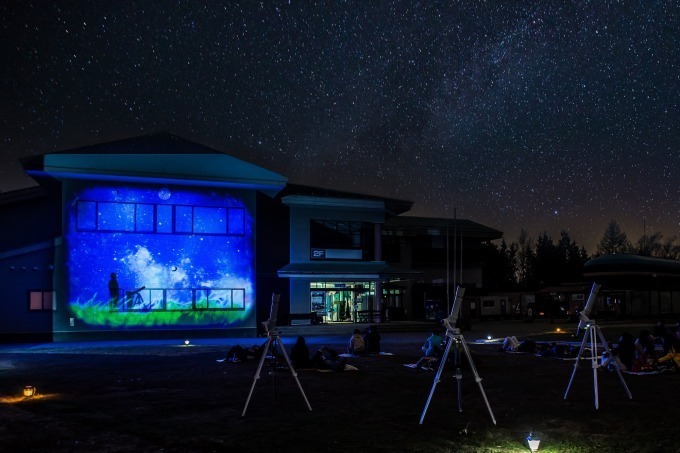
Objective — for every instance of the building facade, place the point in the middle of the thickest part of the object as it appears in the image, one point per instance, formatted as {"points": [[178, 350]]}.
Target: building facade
{"points": [[158, 236]]}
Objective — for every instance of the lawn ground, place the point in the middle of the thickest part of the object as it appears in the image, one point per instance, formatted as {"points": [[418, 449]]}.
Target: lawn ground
{"points": [[170, 397]]}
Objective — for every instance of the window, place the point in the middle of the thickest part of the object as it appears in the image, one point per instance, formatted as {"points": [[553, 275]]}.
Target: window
{"points": [[184, 219], [144, 218], [163, 219], [489, 303], [210, 220], [335, 234], [237, 221], [86, 215], [41, 301], [116, 216]]}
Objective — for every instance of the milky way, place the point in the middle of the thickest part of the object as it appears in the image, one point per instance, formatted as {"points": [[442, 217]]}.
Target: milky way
{"points": [[536, 115]]}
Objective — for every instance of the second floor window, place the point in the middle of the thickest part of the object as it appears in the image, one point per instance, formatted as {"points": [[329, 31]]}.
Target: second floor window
{"points": [[337, 234]]}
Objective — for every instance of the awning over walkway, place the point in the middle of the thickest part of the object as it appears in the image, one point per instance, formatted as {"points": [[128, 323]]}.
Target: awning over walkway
{"points": [[355, 270]]}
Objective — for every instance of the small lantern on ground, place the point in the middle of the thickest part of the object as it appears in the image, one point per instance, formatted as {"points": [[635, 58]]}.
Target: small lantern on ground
{"points": [[534, 440], [29, 391]]}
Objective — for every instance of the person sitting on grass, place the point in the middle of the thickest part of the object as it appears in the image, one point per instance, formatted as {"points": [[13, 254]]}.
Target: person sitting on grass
{"points": [[372, 340], [299, 354], [623, 353], [671, 361], [434, 345], [356, 343], [433, 350], [645, 352]]}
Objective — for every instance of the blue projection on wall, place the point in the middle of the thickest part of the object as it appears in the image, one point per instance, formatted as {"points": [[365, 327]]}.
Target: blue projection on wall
{"points": [[143, 257]]}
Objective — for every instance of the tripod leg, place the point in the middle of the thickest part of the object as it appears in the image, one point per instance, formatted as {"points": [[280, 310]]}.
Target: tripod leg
{"points": [[437, 378], [594, 364], [477, 378], [257, 373], [292, 370], [459, 378], [578, 358], [616, 364]]}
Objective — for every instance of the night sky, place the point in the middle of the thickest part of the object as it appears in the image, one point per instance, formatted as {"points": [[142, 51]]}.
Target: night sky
{"points": [[538, 115]]}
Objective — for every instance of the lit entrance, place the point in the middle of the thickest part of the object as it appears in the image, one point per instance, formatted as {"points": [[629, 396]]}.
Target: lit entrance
{"points": [[341, 301]]}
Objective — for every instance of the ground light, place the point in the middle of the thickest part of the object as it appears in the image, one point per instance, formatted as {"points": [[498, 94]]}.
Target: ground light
{"points": [[29, 391], [489, 337], [534, 440], [186, 342]]}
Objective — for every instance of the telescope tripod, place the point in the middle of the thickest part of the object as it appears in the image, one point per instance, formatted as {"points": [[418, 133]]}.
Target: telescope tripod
{"points": [[273, 341], [592, 333], [455, 337]]}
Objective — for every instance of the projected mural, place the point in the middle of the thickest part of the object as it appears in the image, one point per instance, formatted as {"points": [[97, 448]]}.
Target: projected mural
{"points": [[168, 257]]}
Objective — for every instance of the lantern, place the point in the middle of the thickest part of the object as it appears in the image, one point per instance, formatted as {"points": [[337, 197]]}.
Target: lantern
{"points": [[534, 441], [29, 391]]}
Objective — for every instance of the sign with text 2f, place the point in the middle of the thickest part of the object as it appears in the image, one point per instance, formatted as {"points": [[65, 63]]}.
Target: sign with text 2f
{"points": [[318, 254]]}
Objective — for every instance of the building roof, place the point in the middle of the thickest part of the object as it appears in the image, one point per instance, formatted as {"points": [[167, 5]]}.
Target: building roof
{"points": [[432, 226], [619, 265], [22, 195], [577, 287], [300, 194], [155, 158]]}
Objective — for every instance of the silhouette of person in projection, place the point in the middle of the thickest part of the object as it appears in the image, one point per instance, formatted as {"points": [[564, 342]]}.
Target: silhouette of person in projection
{"points": [[114, 292]]}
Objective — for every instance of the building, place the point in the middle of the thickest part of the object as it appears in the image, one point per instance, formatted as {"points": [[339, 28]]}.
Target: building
{"points": [[158, 236], [446, 252], [636, 286], [336, 266]]}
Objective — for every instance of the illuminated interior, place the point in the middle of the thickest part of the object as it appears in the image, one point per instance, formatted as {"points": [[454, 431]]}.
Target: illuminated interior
{"points": [[159, 257], [340, 301]]}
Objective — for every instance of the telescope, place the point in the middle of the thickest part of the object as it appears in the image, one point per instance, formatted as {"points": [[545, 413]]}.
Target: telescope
{"points": [[592, 333], [269, 349], [270, 324], [137, 291], [584, 320]]}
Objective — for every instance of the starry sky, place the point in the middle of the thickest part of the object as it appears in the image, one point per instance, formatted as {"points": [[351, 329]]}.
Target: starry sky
{"points": [[546, 116]]}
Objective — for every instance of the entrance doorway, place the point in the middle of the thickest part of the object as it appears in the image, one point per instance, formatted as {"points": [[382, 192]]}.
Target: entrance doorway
{"points": [[341, 301]]}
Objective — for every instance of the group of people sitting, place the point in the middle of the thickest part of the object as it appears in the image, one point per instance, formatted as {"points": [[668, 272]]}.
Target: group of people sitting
{"points": [[657, 351], [328, 358], [364, 344], [641, 354], [324, 358]]}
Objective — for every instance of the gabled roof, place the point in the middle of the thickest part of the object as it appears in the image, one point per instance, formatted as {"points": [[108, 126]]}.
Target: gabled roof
{"points": [[161, 158], [428, 226]]}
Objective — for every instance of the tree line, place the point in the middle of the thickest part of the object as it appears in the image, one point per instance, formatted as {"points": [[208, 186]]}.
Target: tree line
{"points": [[528, 264]]}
